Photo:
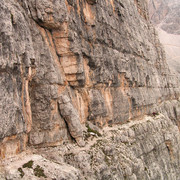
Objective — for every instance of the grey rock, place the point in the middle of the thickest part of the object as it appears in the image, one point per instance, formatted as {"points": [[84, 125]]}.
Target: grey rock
{"points": [[65, 63], [107, 158], [71, 116]]}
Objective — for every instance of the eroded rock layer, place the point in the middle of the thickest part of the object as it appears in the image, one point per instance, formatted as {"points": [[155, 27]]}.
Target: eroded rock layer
{"points": [[144, 149], [66, 62]]}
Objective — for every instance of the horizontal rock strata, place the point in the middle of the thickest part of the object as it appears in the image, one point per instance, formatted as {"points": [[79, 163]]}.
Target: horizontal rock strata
{"points": [[103, 57]]}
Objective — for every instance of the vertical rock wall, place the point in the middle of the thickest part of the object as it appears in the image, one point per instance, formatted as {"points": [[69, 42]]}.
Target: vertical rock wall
{"points": [[65, 62]]}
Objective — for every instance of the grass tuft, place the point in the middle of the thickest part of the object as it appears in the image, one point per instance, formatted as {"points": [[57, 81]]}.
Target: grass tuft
{"points": [[21, 172], [29, 164], [93, 131], [39, 172]]}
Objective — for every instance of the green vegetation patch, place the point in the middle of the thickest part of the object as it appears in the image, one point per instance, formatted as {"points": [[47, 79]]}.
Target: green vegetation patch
{"points": [[39, 172], [93, 131], [29, 164], [21, 172]]}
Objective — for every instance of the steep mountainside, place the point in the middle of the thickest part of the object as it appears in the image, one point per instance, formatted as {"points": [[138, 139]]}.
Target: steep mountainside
{"points": [[165, 14], [67, 63], [171, 44]]}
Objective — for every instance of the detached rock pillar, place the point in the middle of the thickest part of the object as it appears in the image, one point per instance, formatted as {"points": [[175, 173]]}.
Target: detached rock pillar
{"points": [[71, 116]]}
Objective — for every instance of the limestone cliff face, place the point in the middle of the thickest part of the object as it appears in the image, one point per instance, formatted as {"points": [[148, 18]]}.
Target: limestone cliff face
{"points": [[63, 63]]}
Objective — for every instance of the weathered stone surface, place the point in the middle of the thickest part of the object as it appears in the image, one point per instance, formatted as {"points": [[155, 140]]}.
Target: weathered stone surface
{"points": [[41, 169], [141, 149], [63, 63], [71, 116]]}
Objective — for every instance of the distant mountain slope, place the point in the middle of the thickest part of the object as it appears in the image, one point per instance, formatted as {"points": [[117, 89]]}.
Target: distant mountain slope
{"points": [[171, 44], [165, 15], [158, 10]]}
